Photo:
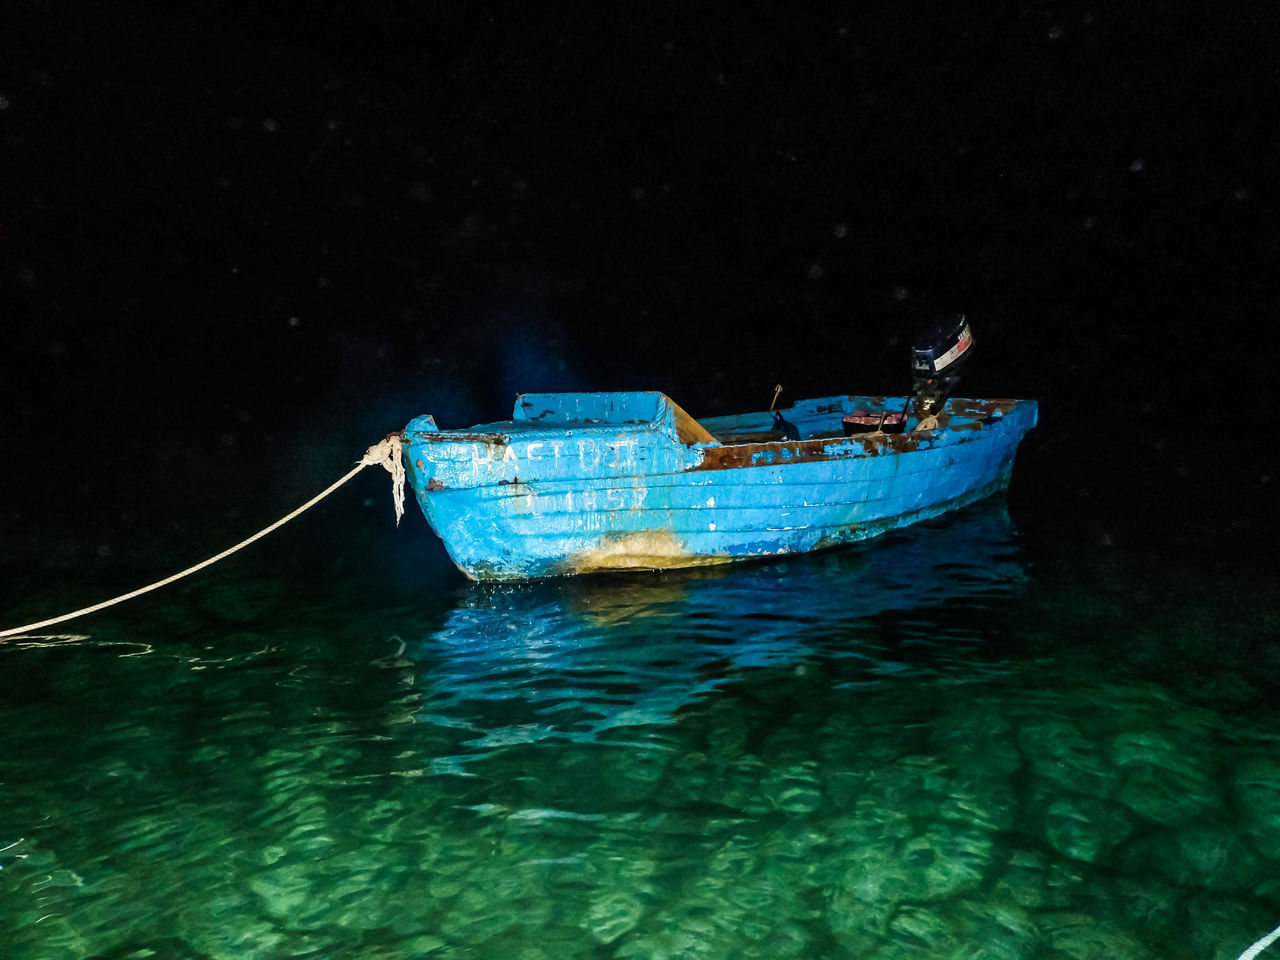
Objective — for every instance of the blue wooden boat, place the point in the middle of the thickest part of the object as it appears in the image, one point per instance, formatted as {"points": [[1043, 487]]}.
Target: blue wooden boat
{"points": [[585, 482]]}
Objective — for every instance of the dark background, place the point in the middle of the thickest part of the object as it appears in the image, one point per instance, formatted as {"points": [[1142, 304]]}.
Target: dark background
{"points": [[242, 244]]}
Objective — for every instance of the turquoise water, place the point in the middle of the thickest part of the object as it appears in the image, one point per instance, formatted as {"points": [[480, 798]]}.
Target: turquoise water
{"points": [[942, 744]]}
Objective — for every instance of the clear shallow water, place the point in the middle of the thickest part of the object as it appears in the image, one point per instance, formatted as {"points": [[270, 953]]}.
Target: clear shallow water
{"points": [[932, 746]]}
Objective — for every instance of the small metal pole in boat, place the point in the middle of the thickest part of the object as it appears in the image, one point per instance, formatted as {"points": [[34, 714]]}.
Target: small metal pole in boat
{"points": [[776, 392]]}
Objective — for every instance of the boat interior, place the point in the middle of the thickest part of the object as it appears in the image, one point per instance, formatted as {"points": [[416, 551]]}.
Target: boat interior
{"points": [[826, 418], [821, 418]]}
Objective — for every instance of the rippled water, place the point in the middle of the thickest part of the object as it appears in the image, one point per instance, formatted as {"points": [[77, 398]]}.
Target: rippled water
{"points": [[929, 746]]}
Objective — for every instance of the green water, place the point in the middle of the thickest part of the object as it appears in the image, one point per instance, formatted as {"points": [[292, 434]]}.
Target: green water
{"points": [[938, 745]]}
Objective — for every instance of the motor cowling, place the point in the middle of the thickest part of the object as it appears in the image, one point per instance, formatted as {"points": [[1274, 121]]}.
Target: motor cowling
{"points": [[937, 355]]}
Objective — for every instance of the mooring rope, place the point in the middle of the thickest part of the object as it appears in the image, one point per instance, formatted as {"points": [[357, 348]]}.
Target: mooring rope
{"points": [[1261, 945], [385, 453]]}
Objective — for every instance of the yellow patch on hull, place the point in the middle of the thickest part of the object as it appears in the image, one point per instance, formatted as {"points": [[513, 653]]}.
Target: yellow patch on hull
{"points": [[642, 550]]}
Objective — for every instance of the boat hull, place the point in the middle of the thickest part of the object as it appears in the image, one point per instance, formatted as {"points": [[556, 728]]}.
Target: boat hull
{"points": [[554, 494]]}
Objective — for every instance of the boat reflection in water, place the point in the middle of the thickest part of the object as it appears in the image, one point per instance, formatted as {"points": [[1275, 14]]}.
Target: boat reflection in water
{"points": [[575, 659]]}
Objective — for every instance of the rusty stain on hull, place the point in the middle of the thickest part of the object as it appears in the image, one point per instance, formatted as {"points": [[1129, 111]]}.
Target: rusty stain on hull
{"points": [[738, 455]]}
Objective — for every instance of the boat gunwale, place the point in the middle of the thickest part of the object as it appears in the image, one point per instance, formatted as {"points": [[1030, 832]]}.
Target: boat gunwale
{"points": [[507, 431]]}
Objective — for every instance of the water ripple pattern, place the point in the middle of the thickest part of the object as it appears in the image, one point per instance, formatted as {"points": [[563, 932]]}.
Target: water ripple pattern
{"points": [[924, 747]]}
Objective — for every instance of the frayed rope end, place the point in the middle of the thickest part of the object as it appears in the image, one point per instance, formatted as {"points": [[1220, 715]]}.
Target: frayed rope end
{"points": [[387, 454]]}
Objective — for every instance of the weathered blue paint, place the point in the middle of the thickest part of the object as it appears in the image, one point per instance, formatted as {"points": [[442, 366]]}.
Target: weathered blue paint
{"points": [[578, 483]]}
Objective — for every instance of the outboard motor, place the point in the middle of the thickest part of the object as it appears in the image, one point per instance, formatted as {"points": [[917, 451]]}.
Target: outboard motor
{"points": [[936, 356]]}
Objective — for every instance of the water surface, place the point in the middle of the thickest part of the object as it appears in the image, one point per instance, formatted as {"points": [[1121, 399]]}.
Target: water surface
{"points": [[939, 744]]}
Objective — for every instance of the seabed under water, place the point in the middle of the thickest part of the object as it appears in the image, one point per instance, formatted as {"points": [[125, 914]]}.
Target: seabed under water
{"points": [[930, 745]]}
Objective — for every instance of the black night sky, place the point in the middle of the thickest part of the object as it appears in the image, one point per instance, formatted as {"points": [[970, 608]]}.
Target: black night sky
{"points": [[239, 245]]}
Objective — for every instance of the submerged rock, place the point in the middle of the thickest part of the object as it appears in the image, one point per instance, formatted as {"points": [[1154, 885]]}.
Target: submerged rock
{"points": [[945, 861], [930, 932], [1030, 879], [919, 834], [962, 930], [1084, 937], [1222, 928], [676, 936], [611, 914], [1256, 788], [996, 929], [1086, 828], [1212, 856], [1059, 753], [1151, 902], [286, 889], [979, 740], [1163, 780]]}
